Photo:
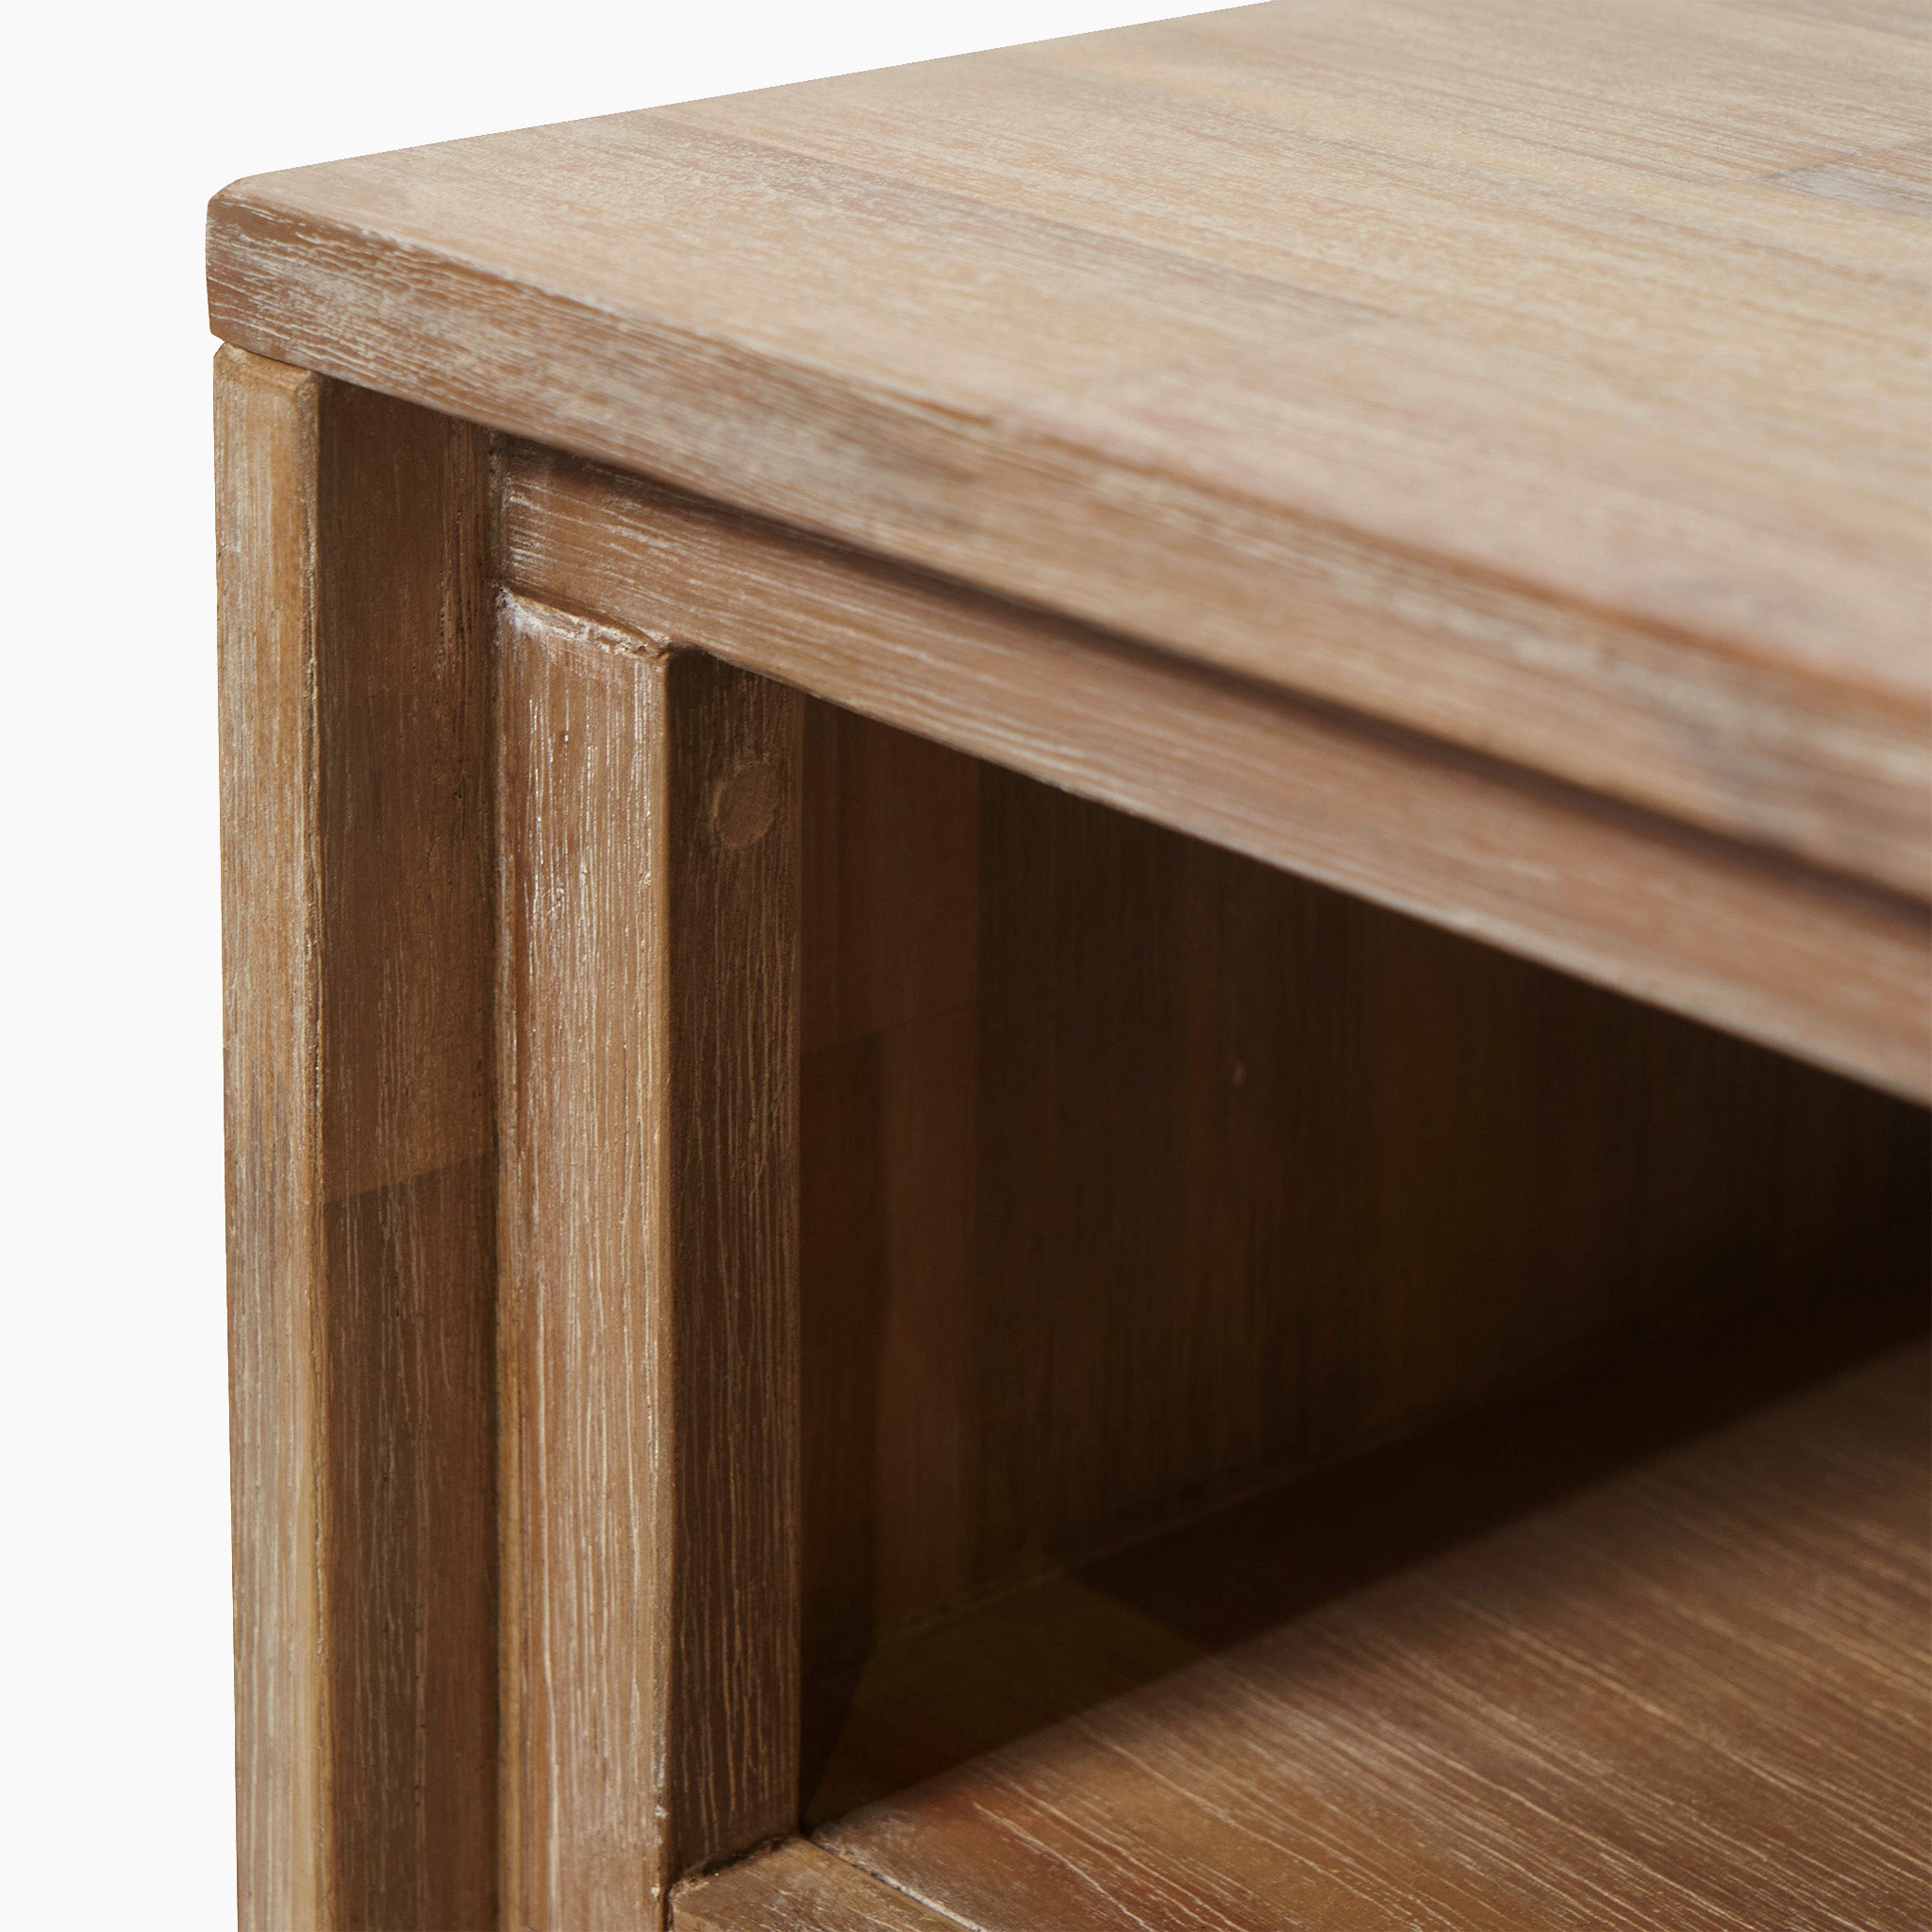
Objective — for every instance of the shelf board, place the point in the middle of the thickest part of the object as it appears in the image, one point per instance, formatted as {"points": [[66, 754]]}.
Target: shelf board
{"points": [[1475, 1681]]}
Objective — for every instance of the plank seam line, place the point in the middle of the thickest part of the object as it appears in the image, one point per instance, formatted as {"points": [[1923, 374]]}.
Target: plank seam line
{"points": [[879, 1878]]}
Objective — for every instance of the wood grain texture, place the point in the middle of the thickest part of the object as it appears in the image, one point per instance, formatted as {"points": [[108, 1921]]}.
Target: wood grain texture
{"points": [[797, 1888], [1694, 1697], [358, 944], [267, 442], [1782, 955], [649, 1355], [1136, 1173], [1544, 380]]}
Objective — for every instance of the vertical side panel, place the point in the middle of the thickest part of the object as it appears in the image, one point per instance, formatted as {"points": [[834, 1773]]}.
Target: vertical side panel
{"points": [[731, 1300], [410, 1144], [359, 938], [648, 1340], [889, 1309], [267, 453]]}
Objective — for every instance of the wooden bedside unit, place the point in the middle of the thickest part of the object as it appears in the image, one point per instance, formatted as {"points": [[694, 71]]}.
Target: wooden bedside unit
{"points": [[1078, 989]]}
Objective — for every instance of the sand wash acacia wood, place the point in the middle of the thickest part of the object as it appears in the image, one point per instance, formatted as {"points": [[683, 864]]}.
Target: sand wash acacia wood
{"points": [[1812, 963], [511, 1033], [487, 1549], [357, 947], [1468, 453], [1557, 374], [488, 1654], [648, 805]]}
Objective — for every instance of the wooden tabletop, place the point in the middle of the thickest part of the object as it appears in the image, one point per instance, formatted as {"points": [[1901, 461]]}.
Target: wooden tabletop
{"points": [[1545, 380]]}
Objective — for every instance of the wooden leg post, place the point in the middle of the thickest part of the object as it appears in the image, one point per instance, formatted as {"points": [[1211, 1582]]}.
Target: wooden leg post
{"points": [[648, 806], [358, 938], [510, 958]]}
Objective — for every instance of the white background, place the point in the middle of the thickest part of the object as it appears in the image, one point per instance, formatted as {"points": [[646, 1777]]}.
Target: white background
{"points": [[115, 1751]]}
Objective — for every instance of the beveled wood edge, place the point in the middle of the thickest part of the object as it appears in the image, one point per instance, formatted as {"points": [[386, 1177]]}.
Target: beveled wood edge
{"points": [[1825, 768], [1797, 958], [268, 433]]}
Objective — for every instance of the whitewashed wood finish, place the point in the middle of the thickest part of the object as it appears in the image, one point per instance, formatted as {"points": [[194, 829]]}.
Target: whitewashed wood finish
{"points": [[648, 1328], [1538, 378], [358, 945], [267, 433], [1472, 452], [1790, 958], [647, 1726]]}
